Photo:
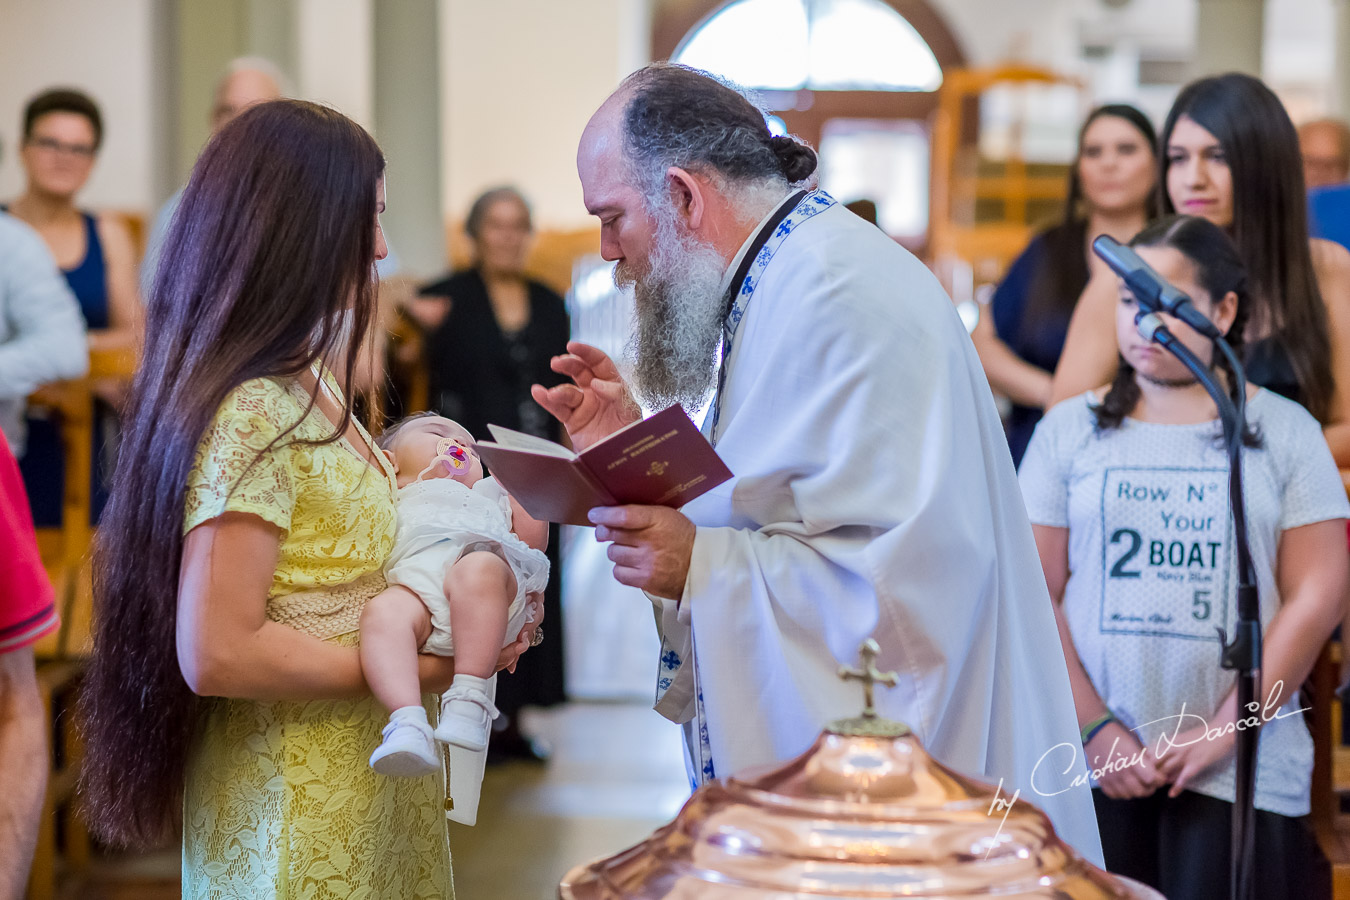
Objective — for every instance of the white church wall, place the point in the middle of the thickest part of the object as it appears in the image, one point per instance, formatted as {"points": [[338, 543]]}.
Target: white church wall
{"points": [[1299, 55], [995, 32], [519, 80], [101, 48], [335, 56]]}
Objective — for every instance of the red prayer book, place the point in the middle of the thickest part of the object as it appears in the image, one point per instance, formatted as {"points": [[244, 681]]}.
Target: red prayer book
{"points": [[658, 461]]}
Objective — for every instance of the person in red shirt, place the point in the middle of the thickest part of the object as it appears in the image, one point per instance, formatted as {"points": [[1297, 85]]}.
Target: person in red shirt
{"points": [[27, 613]]}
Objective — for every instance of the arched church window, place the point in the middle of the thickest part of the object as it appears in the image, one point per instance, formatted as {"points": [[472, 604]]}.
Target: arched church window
{"points": [[855, 78], [820, 45]]}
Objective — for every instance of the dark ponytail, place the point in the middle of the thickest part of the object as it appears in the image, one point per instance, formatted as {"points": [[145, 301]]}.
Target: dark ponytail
{"points": [[797, 160], [1220, 271], [677, 116]]}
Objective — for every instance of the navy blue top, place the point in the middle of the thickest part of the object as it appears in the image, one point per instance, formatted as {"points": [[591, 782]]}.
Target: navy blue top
{"points": [[1036, 333], [89, 280]]}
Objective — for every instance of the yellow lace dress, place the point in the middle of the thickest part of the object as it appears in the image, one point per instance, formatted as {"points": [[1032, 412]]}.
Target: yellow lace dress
{"points": [[280, 800]]}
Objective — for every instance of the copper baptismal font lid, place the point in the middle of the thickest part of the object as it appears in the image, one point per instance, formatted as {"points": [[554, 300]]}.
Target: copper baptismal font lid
{"points": [[864, 813]]}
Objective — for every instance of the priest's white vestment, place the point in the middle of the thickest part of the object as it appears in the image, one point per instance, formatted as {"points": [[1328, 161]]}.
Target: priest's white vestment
{"points": [[873, 496]]}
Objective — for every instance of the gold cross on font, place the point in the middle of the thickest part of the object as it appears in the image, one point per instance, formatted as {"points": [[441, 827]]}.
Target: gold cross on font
{"points": [[868, 674]]}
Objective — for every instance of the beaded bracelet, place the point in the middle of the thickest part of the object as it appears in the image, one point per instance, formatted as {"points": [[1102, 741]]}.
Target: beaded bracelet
{"points": [[1089, 731]]}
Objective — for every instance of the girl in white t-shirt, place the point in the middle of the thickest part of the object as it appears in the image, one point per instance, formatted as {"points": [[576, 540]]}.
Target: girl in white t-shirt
{"points": [[1127, 492]]}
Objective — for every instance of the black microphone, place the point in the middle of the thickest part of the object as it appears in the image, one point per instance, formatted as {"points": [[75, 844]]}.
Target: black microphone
{"points": [[1149, 288]]}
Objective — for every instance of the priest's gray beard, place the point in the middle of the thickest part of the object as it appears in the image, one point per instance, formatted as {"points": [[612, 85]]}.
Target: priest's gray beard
{"points": [[679, 315]]}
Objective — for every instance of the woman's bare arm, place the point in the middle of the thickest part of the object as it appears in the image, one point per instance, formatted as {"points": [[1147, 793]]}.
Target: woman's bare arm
{"points": [[23, 777], [1090, 351], [227, 647], [1313, 572], [1112, 740], [1332, 264], [1008, 374], [1053, 546], [125, 310]]}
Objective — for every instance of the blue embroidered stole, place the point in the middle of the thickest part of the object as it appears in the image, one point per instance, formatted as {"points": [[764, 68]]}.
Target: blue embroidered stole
{"points": [[758, 256]]}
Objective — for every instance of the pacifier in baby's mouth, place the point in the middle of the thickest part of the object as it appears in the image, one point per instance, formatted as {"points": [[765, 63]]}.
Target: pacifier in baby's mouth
{"points": [[450, 454]]}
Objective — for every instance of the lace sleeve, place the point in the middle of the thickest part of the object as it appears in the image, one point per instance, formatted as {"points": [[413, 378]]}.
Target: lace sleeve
{"points": [[232, 473]]}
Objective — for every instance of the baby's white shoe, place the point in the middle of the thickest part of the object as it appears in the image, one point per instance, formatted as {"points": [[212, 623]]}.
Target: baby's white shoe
{"points": [[408, 749], [466, 713]]}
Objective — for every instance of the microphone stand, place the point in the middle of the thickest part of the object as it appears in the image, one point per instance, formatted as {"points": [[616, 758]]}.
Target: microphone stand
{"points": [[1243, 654]]}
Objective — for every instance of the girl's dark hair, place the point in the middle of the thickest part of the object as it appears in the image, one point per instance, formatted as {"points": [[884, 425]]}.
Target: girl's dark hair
{"points": [[473, 223], [1219, 270], [67, 100], [272, 245], [1056, 286], [1270, 218]]}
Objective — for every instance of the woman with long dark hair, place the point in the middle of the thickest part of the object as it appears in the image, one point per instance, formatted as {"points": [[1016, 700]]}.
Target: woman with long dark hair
{"points": [[249, 522], [1229, 153], [1111, 191], [1138, 554]]}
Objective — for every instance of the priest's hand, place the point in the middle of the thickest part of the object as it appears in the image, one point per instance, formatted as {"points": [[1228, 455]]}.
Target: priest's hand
{"points": [[650, 546], [596, 404], [1126, 769]]}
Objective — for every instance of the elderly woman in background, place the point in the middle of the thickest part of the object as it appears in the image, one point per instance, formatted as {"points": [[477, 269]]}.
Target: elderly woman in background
{"points": [[62, 133], [1112, 191], [491, 331]]}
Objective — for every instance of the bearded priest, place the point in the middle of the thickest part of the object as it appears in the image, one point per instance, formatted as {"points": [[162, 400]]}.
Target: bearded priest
{"points": [[873, 493]]}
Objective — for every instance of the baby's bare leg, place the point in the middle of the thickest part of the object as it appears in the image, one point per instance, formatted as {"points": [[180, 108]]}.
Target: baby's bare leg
{"points": [[393, 625], [479, 587]]}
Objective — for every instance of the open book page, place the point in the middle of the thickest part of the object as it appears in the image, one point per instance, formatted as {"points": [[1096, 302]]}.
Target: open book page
{"points": [[661, 460], [518, 440], [550, 489], [546, 478]]}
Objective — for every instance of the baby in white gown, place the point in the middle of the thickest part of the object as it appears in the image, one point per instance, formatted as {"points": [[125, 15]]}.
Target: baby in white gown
{"points": [[466, 560]]}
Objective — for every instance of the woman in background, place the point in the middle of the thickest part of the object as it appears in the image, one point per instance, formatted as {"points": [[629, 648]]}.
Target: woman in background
{"points": [[62, 133], [491, 331], [1111, 191], [1229, 153]]}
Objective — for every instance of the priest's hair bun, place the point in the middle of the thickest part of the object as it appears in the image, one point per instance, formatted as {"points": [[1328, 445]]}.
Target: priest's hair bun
{"points": [[796, 160]]}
